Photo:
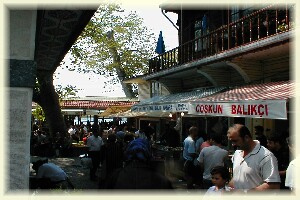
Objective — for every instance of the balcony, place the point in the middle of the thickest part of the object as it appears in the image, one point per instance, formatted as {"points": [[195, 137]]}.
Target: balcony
{"points": [[259, 25]]}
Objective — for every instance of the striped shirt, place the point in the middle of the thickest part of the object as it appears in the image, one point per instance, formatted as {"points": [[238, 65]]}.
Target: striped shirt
{"points": [[259, 166]]}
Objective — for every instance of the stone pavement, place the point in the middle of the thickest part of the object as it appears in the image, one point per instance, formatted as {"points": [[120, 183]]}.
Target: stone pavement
{"points": [[79, 175]]}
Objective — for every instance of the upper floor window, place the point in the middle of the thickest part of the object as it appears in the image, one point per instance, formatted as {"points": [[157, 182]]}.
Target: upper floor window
{"points": [[201, 28], [156, 89]]}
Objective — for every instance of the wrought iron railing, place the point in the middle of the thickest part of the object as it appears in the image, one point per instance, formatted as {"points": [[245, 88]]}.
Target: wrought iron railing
{"points": [[258, 25]]}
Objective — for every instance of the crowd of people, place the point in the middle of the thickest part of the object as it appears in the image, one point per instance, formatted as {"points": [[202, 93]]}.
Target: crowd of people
{"points": [[125, 156], [120, 153], [253, 167]]}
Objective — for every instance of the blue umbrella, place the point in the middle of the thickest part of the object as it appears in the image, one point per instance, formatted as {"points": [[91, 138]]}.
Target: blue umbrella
{"points": [[160, 47]]}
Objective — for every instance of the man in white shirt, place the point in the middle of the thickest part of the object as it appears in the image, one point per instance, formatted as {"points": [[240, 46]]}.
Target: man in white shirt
{"points": [[48, 175], [211, 157], [290, 180], [71, 130], [189, 154], [94, 142], [255, 168], [85, 129]]}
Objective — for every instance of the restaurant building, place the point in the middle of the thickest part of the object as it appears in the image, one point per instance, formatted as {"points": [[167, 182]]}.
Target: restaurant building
{"points": [[233, 65]]}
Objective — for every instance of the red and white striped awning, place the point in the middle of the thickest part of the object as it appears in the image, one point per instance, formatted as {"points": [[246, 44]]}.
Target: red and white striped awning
{"points": [[267, 100], [86, 104]]}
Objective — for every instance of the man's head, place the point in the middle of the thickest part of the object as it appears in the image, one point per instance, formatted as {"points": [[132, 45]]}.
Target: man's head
{"points": [[138, 149], [275, 142], [111, 138], [258, 130], [216, 138], [95, 133], [193, 132], [36, 165], [240, 136]]}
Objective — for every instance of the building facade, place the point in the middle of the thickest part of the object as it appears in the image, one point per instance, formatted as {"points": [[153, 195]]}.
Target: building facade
{"points": [[232, 47]]}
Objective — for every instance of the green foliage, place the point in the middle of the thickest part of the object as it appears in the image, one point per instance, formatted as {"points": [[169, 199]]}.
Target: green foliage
{"points": [[67, 92], [38, 113], [133, 42]]}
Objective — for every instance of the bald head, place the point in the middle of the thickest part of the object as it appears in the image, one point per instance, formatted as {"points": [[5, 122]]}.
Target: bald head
{"points": [[240, 136], [240, 129]]}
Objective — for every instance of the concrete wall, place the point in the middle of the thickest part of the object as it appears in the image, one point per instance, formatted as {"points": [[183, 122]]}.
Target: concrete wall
{"points": [[20, 100], [22, 24], [144, 91], [22, 69]]}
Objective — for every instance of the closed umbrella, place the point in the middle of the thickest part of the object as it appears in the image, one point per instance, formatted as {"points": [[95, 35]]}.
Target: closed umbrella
{"points": [[160, 47]]}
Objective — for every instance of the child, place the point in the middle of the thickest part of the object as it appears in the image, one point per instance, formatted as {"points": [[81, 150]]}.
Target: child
{"points": [[219, 177]]}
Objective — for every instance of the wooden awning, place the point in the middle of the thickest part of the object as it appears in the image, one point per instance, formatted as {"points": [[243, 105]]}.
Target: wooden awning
{"points": [[114, 110]]}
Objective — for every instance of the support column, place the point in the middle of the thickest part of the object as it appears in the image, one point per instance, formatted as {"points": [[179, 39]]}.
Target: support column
{"points": [[19, 118], [22, 79]]}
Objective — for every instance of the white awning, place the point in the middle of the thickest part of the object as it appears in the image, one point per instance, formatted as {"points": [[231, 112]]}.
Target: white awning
{"points": [[174, 102], [267, 100]]}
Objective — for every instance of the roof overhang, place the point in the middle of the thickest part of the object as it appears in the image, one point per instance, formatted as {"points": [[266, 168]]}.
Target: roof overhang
{"points": [[57, 30], [178, 5], [137, 79]]}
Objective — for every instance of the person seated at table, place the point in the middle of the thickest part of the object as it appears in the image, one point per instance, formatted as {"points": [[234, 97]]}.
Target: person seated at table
{"points": [[84, 139], [49, 175]]}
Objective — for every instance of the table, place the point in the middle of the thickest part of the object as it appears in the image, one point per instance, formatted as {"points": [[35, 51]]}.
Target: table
{"points": [[78, 150]]}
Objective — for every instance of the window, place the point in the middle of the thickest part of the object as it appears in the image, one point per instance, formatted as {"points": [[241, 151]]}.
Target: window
{"points": [[155, 89], [200, 29], [235, 14]]}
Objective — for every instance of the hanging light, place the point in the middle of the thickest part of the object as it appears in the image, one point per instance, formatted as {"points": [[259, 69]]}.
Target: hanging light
{"points": [[182, 114], [170, 115]]}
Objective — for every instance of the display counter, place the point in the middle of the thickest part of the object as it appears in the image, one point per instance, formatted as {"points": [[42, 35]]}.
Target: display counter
{"points": [[79, 149], [172, 157]]}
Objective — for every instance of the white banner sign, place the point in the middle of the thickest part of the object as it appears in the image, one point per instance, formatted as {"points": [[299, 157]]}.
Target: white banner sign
{"points": [[252, 109], [177, 107]]}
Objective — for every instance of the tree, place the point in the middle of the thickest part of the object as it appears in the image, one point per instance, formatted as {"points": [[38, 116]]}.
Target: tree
{"points": [[67, 92], [113, 44], [48, 99], [45, 95]]}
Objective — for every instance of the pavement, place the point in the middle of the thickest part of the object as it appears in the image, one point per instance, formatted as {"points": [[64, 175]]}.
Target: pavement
{"points": [[79, 175]]}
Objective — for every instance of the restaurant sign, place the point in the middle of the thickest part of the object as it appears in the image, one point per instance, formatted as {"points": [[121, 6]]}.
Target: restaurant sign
{"points": [[253, 109], [175, 107]]}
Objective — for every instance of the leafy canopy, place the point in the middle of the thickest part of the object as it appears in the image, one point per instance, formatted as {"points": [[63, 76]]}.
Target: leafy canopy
{"points": [[132, 41], [67, 92]]}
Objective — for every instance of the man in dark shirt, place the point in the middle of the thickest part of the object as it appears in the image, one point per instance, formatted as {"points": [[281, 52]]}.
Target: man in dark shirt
{"points": [[276, 144], [138, 173], [112, 154], [150, 131], [259, 132]]}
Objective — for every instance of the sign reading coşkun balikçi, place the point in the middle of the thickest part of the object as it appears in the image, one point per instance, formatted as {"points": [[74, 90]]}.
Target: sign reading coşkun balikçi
{"points": [[275, 109]]}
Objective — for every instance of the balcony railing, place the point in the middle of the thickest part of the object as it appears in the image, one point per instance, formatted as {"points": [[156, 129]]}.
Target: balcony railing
{"points": [[258, 25]]}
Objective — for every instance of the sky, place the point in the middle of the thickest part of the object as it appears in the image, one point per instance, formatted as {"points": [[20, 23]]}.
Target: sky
{"points": [[91, 85]]}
